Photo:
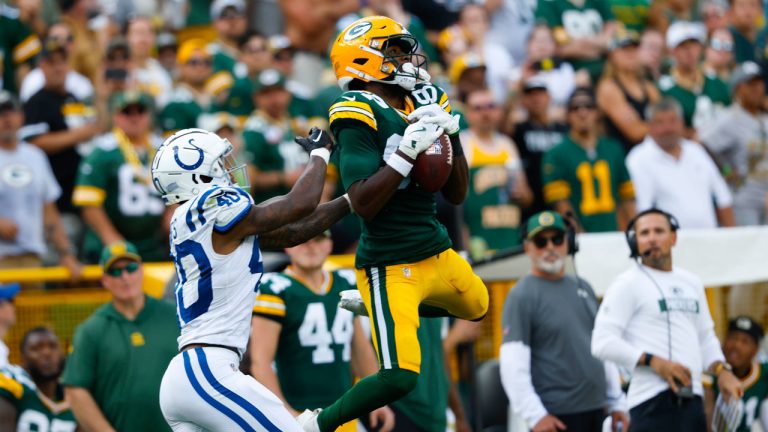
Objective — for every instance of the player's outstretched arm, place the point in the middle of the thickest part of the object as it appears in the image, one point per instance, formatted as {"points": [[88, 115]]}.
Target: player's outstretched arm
{"points": [[8, 414], [305, 229], [455, 188]]}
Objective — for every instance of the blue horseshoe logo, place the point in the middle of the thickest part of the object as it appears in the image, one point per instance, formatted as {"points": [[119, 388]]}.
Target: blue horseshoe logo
{"points": [[195, 165]]}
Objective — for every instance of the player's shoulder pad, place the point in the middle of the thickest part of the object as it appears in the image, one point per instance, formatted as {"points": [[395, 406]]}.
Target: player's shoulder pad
{"points": [[13, 379], [358, 106], [9, 11], [425, 93], [275, 284], [224, 205], [270, 302], [347, 276]]}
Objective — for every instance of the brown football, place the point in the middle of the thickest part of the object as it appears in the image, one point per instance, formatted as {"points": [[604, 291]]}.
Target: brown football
{"points": [[433, 165]]}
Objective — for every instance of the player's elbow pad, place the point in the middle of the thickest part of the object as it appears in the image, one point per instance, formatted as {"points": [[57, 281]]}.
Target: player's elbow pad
{"points": [[398, 382]]}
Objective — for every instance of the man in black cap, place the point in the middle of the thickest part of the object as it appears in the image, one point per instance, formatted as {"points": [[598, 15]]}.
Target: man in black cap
{"points": [[740, 348]]}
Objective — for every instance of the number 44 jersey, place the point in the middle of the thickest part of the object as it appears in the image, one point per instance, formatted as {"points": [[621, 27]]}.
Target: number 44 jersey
{"points": [[214, 293], [314, 349]]}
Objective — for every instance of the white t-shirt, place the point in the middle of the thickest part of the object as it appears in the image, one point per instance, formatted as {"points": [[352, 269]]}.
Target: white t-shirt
{"points": [[75, 83], [635, 318], [684, 187]]}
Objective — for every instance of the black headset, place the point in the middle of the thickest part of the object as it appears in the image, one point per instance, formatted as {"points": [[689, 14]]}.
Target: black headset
{"points": [[631, 235], [570, 233]]}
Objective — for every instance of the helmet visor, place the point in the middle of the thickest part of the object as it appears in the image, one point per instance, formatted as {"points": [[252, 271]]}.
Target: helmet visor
{"points": [[236, 171], [401, 49]]}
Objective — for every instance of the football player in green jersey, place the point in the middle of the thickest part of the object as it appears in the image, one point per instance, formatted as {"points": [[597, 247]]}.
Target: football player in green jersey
{"points": [[740, 348], [585, 174], [31, 398], [405, 266], [313, 343]]}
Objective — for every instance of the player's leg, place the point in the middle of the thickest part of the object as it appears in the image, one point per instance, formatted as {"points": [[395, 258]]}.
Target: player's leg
{"points": [[211, 392], [456, 288], [392, 296]]}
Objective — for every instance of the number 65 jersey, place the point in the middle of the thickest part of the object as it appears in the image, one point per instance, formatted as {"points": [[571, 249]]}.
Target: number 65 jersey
{"points": [[214, 293]]}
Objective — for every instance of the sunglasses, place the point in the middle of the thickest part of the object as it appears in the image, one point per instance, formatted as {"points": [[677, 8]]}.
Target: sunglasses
{"points": [[199, 62], [721, 45], [576, 107], [542, 241], [134, 110], [484, 107], [118, 271]]}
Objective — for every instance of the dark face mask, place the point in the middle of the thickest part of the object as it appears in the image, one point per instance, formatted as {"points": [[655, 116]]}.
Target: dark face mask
{"points": [[93, 13]]}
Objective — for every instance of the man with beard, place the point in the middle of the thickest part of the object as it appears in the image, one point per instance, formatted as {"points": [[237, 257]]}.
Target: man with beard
{"points": [[31, 398], [548, 317], [655, 322]]}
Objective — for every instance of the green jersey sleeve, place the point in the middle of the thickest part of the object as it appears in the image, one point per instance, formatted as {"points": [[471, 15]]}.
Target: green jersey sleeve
{"points": [[270, 302], [80, 369], [547, 14], [556, 186], [255, 150], [10, 388], [626, 189], [92, 176], [358, 154]]}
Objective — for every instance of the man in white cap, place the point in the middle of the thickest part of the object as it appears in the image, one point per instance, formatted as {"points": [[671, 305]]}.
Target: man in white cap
{"points": [[230, 23], [700, 95]]}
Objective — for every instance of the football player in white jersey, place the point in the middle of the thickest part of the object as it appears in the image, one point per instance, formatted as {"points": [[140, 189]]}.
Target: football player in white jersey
{"points": [[216, 234]]}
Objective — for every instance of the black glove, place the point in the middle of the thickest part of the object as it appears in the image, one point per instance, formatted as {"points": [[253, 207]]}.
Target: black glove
{"points": [[317, 138]]}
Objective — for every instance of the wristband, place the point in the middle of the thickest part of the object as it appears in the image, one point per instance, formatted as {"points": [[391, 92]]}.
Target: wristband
{"points": [[647, 360], [349, 201], [399, 164], [323, 153]]}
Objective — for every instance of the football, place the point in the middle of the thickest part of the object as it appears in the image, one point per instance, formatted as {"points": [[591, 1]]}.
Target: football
{"points": [[433, 166]]}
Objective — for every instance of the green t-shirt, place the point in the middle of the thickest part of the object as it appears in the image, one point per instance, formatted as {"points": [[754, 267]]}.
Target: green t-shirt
{"points": [[18, 45], [181, 111], [700, 107], [269, 146], [488, 210], [570, 21], [35, 411], [632, 13], [427, 403], [594, 184], [367, 131], [755, 386], [121, 363], [314, 349], [105, 179], [199, 12], [745, 49]]}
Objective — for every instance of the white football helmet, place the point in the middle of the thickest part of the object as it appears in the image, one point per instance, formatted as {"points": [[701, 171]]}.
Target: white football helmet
{"points": [[192, 160]]}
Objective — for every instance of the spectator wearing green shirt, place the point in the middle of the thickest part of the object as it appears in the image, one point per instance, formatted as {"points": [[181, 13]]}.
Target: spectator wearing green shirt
{"points": [[745, 29], [230, 24], [119, 354]]}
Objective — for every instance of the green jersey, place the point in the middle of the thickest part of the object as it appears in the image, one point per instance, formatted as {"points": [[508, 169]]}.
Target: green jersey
{"points": [[593, 183], [488, 210], [199, 12], [314, 349], [700, 106], [34, 410], [632, 13], [570, 21], [121, 363], [427, 403], [108, 178], [269, 146], [755, 386], [181, 111], [18, 45], [368, 130]]}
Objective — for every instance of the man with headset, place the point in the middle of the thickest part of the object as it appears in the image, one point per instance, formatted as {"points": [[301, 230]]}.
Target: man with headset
{"points": [[548, 318], [655, 322]]}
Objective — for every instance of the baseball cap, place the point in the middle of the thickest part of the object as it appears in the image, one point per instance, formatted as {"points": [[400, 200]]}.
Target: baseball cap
{"points": [[278, 43], [622, 39], [116, 251], [128, 98], [543, 221], [190, 47], [744, 72], [216, 121], [52, 46], [681, 31], [118, 44], [463, 63], [581, 92], [268, 78], [8, 101], [746, 325], [8, 291], [219, 6], [166, 40], [534, 83]]}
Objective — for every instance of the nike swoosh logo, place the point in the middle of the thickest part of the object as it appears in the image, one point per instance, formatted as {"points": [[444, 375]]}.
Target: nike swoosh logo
{"points": [[317, 139], [420, 130], [349, 98]]}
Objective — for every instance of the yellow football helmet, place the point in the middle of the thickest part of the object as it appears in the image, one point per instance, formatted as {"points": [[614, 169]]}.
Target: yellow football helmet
{"points": [[380, 49]]}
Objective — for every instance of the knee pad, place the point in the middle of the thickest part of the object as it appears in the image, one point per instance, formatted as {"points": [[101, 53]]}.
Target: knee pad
{"points": [[398, 382]]}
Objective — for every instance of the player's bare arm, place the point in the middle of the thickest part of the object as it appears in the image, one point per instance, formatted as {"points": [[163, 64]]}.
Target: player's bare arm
{"points": [[7, 415], [307, 228]]}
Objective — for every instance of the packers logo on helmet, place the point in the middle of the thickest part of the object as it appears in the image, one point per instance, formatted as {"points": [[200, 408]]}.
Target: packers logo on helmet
{"points": [[377, 49]]}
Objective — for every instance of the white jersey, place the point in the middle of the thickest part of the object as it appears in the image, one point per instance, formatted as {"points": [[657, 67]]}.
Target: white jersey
{"points": [[215, 293]]}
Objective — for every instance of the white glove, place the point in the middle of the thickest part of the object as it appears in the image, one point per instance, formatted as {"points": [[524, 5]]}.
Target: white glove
{"points": [[434, 113], [418, 137]]}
